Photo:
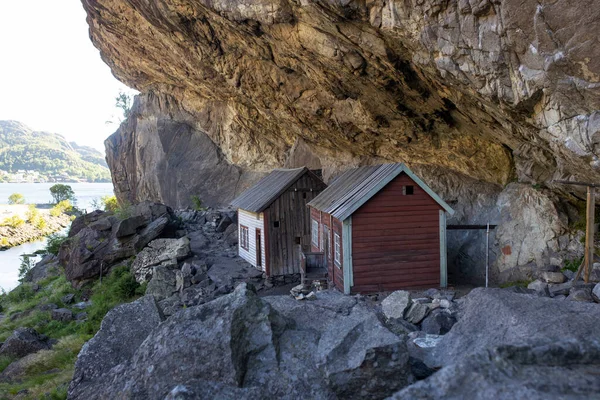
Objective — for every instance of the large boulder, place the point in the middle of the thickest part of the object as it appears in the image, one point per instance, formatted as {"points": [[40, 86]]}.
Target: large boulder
{"points": [[240, 345], [123, 330], [99, 240], [566, 369], [158, 252], [24, 341], [494, 317]]}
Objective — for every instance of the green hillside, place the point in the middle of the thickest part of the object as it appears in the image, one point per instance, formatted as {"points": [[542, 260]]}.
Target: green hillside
{"points": [[49, 154]]}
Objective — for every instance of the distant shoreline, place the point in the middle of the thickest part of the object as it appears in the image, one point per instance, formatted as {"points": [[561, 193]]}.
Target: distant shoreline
{"points": [[12, 235]]}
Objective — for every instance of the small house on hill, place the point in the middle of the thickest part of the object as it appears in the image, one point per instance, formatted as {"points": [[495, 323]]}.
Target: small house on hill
{"points": [[274, 220], [381, 228]]}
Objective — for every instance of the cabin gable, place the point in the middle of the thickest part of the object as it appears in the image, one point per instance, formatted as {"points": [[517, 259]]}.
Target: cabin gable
{"points": [[396, 239]]}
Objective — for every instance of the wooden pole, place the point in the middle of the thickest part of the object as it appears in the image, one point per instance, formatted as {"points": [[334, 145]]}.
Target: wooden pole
{"points": [[589, 232]]}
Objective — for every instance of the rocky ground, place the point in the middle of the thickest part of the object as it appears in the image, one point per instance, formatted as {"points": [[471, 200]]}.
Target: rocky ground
{"points": [[209, 326]]}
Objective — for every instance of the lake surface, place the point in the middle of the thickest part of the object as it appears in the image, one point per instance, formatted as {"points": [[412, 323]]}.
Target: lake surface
{"points": [[39, 193]]}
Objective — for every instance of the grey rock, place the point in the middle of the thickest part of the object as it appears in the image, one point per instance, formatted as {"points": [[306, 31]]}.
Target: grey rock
{"points": [[240, 345], [421, 300], [163, 283], [231, 235], [223, 224], [198, 242], [47, 267], [421, 346], [431, 293], [90, 251], [565, 369], [82, 305], [444, 303], [80, 316], [68, 298], [123, 330], [395, 305], [201, 389], [158, 252], [538, 286], [438, 322], [569, 274], [129, 226], [553, 277], [416, 313], [47, 307], [562, 288], [596, 293], [494, 317], [580, 294], [62, 314], [24, 341]]}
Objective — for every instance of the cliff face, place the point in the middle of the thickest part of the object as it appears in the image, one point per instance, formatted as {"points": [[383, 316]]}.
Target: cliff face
{"points": [[483, 91]]}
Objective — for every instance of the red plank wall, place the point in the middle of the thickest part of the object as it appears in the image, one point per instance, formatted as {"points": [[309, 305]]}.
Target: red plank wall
{"points": [[336, 273], [396, 240]]}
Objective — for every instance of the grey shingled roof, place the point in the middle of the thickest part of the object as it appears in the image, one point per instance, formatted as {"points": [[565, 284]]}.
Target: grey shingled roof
{"points": [[268, 189], [356, 186]]}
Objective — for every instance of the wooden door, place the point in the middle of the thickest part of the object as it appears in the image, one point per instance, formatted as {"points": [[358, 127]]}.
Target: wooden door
{"points": [[258, 248]]}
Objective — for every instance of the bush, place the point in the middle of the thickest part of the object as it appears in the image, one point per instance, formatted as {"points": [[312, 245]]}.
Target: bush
{"points": [[197, 203], [16, 198], [62, 192], [61, 207], [4, 242], [124, 211], [40, 223], [14, 222], [118, 287], [54, 242], [110, 203]]}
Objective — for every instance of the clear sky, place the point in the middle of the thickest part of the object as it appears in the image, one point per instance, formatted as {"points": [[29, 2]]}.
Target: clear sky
{"points": [[51, 75]]}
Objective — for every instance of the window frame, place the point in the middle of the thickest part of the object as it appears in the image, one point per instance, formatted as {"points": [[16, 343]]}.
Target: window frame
{"points": [[314, 226], [244, 237], [337, 249]]}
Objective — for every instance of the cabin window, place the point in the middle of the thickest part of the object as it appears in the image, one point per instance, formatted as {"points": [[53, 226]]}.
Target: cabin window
{"points": [[315, 233], [244, 242], [298, 240], [408, 190], [304, 195], [337, 250], [275, 224]]}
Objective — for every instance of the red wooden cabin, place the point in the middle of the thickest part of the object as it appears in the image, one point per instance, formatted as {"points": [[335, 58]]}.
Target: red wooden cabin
{"points": [[381, 229]]}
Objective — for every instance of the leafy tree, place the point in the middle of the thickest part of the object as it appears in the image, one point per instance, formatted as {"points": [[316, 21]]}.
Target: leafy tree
{"points": [[27, 262], [62, 192], [124, 102], [16, 198]]}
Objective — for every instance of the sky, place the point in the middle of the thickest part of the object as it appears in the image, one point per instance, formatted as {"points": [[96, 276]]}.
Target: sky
{"points": [[51, 76]]}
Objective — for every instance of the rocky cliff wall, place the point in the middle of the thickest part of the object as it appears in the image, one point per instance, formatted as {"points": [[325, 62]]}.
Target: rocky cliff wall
{"points": [[472, 94]]}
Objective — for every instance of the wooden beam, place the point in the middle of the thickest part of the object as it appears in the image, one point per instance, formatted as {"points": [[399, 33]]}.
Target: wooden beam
{"points": [[589, 232]]}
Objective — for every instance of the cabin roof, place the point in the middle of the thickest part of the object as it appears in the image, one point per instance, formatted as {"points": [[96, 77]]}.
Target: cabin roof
{"points": [[268, 189], [355, 187]]}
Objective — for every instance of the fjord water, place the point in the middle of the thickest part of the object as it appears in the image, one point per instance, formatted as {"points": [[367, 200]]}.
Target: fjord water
{"points": [[39, 193]]}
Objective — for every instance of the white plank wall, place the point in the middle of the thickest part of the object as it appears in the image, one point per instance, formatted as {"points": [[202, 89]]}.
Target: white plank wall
{"points": [[252, 221]]}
